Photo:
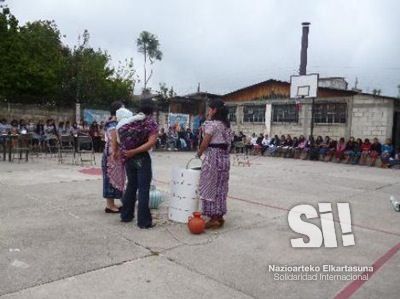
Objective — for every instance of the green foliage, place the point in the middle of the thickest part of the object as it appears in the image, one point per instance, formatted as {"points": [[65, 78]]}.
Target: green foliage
{"points": [[165, 94], [35, 67]]}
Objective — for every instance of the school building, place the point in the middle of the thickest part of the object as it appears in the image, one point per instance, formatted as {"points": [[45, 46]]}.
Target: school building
{"points": [[266, 107]]}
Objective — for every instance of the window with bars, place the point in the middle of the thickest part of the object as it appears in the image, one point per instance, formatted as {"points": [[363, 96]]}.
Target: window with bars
{"points": [[232, 113], [285, 113], [330, 113], [254, 113]]}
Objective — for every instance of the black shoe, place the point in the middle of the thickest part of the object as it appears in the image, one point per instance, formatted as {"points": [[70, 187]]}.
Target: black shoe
{"points": [[147, 226], [107, 210]]}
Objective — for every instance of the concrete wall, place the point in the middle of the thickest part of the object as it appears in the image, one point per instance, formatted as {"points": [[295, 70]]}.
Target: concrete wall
{"points": [[334, 131], [372, 117], [246, 127], [11, 111], [367, 117], [302, 127]]}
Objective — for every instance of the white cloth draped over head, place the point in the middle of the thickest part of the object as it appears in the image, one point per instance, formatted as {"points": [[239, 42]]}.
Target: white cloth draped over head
{"points": [[125, 116]]}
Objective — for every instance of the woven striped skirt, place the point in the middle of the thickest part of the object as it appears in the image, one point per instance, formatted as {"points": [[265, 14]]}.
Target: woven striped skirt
{"points": [[214, 181]]}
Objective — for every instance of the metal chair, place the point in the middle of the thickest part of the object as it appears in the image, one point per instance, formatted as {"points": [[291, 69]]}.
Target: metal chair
{"points": [[3, 146], [21, 145], [66, 146], [239, 147], [84, 147], [51, 145]]}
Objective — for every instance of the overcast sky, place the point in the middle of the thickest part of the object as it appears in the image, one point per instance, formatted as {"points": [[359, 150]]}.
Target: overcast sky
{"points": [[229, 44]]}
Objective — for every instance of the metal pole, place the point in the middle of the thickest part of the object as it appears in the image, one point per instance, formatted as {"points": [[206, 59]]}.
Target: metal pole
{"points": [[304, 46], [312, 117]]}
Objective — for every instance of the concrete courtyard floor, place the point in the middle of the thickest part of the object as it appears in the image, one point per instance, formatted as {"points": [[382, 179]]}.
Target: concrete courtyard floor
{"points": [[57, 242]]}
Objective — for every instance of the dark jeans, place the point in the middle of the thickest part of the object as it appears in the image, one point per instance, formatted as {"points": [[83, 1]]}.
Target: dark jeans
{"points": [[138, 171]]}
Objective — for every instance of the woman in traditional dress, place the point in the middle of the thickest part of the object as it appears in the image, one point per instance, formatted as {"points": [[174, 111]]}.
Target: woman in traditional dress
{"points": [[138, 135], [215, 168], [109, 162]]}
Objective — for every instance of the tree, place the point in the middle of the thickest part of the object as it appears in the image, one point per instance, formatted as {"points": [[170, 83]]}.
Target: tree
{"points": [[9, 57], [149, 46], [40, 62], [376, 92], [36, 67], [164, 95], [90, 80], [31, 60]]}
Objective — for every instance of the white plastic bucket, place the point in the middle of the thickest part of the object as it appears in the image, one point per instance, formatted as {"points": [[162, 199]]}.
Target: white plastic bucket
{"points": [[184, 193]]}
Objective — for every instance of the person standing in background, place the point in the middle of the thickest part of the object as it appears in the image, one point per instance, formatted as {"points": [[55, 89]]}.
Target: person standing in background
{"points": [[110, 192]]}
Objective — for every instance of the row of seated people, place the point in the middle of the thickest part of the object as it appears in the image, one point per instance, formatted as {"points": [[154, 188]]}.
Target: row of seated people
{"points": [[47, 133], [354, 151], [178, 139]]}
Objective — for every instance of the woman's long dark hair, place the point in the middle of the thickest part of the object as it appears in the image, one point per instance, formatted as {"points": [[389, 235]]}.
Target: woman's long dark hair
{"points": [[115, 106], [147, 106], [222, 111]]}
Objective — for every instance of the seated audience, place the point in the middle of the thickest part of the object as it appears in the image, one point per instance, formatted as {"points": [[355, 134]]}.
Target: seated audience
{"points": [[291, 150], [265, 143], [365, 150], [61, 128], [375, 151], [340, 148], [189, 138], [162, 139], [349, 150], [393, 161], [282, 143], [331, 150], [355, 156], [67, 128], [324, 147], [172, 139], [75, 130], [274, 144], [39, 134], [287, 147], [250, 142], [313, 147], [298, 151], [387, 152], [182, 143], [310, 150], [258, 146]]}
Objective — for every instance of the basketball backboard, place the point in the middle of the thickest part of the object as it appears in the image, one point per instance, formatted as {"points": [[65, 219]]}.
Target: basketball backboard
{"points": [[303, 86]]}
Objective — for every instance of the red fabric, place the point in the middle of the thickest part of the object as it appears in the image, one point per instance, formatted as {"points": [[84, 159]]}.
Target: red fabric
{"points": [[365, 147]]}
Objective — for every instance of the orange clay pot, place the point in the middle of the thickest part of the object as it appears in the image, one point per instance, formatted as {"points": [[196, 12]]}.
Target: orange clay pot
{"points": [[196, 223]]}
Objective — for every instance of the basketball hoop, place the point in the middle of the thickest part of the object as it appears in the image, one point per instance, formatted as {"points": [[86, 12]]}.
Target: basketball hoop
{"points": [[303, 86]]}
